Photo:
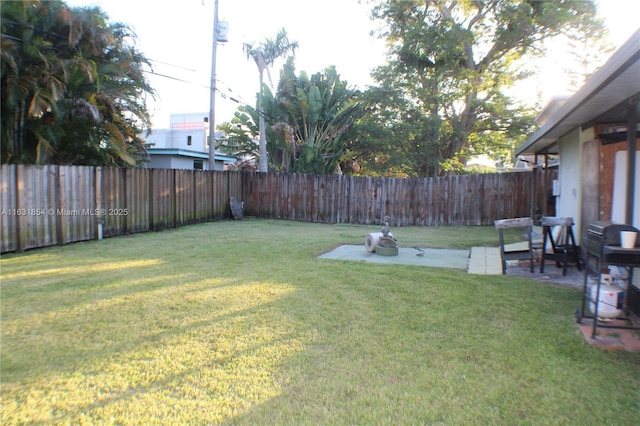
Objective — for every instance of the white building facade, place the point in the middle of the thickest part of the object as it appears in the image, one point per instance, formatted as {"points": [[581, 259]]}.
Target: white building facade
{"points": [[184, 145]]}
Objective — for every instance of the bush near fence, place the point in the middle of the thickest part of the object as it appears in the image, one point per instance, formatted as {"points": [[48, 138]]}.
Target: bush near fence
{"points": [[55, 205]]}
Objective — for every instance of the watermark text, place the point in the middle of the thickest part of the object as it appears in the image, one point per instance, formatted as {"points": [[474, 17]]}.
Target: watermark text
{"points": [[64, 212]]}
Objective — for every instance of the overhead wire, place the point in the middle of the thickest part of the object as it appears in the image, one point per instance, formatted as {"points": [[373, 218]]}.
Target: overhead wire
{"points": [[229, 94]]}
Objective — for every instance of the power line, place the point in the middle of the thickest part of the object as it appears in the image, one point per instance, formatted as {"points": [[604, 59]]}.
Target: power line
{"points": [[178, 79], [171, 65], [230, 95]]}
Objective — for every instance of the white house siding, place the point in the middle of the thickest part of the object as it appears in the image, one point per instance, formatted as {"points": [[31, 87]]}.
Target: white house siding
{"points": [[159, 162], [569, 201], [173, 162], [179, 139], [182, 163], [160, 138]]}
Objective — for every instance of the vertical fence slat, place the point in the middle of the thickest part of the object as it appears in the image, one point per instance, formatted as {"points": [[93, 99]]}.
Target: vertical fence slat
{"points": [[8, 220]]}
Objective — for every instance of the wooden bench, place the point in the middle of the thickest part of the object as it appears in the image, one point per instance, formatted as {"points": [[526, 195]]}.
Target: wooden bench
{"points": [[506, 255]]}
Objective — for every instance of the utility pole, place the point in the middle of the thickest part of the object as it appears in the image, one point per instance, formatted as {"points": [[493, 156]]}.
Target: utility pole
{"points": [[212, 88]]}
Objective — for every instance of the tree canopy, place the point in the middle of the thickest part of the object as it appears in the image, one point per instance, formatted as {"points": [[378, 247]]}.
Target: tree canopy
{"points": [[441, 95], [308, 122], [73, 87], [320, 112]]}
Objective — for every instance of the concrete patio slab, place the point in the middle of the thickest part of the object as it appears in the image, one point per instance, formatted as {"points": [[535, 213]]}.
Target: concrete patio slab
{"points": [[440, 258], [485, 261]]}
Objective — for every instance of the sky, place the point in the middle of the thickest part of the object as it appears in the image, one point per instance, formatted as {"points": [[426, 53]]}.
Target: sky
{"points": [[177, 37]]}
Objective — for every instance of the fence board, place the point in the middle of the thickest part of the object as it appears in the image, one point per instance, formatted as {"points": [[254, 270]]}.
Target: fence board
{"points": [[296, 197], [25, 185], [339, 192], [42, 219], [216, 188], [292, 196], [114, 199], [222, 189], [182, 183], [139, 209], [8, 218]]}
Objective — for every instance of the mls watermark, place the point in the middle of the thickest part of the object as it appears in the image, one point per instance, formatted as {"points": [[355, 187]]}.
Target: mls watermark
{"points": [[64, 212]]}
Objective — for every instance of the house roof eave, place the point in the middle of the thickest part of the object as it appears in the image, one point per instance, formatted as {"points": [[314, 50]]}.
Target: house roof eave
{"points": [[189, 154], [616, 81]]}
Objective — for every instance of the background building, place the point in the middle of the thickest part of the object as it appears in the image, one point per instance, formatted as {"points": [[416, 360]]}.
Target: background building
{"points": [[184, 145]]}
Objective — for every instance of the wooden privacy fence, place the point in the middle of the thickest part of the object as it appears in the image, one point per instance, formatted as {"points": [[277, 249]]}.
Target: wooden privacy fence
{"points": [[50, 205], [443, 201], [53, 205]]}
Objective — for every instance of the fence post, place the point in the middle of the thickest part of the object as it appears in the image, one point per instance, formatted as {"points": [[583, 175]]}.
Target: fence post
{"points": [[19, 234], [98, 197], [58, 204]]}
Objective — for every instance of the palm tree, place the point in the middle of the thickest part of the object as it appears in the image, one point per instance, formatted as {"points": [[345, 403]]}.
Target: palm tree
{"points": [[73, 87], [265, 54], [115, 87], [32, 76], [242, 134]]}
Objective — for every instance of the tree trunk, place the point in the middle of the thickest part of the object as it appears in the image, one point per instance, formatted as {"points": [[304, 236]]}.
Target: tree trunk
{"points": [[263, 161]]}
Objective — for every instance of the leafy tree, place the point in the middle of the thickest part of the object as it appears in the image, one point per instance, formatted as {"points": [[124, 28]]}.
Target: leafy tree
{"points": [[393, 137], [449, 62], [243, 132], [73, 87], [320, 113], [265, 54], [307, 123]]}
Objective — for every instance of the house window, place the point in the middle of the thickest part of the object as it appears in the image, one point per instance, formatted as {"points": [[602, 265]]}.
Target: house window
{"points": [[189, 140], [198, 164]]}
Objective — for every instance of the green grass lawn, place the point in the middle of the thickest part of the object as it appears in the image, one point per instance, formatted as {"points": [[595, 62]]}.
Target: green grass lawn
{"points": [[240, 323]]}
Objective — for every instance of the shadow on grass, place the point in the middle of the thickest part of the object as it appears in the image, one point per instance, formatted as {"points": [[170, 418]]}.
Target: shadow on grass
{"points": [[212, 342], [252, 329]]}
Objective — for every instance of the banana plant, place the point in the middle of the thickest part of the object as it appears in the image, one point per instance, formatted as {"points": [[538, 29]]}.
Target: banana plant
{"points": [[243, 133], [320, 111], [307, 122]]}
